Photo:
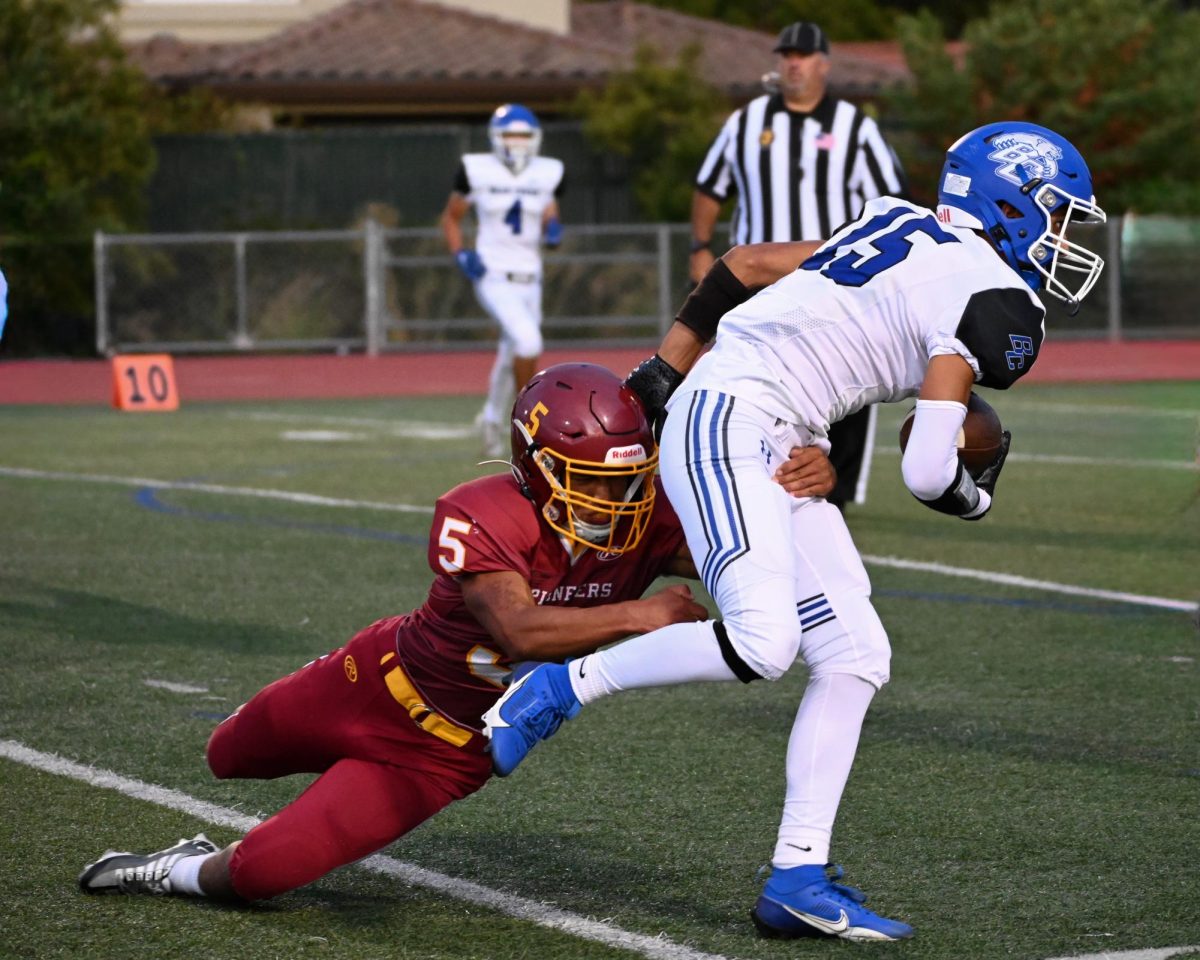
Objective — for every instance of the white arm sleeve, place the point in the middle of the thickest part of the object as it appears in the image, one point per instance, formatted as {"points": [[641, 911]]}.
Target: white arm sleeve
{"points": [[930, 466]]}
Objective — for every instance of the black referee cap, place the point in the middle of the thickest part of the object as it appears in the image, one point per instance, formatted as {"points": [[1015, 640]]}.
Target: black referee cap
{"points": [[804, 37]]}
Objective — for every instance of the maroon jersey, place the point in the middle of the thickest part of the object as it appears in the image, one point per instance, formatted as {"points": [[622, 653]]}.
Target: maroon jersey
{"points": [[485, 526]]}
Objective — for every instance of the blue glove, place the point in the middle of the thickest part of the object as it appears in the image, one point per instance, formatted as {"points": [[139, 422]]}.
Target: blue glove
{"points": [[470, 264], [553, 232]]}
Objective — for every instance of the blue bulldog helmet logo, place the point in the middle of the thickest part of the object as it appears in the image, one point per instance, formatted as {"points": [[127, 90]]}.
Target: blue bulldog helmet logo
{"points": [[1021, 157]]}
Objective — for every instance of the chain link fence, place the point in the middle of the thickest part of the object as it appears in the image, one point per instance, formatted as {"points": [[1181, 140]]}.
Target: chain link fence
{"points": [[384, 289]]}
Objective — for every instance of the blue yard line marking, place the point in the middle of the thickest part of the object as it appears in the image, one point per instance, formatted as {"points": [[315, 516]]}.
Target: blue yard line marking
{"points": [[147, 497]]}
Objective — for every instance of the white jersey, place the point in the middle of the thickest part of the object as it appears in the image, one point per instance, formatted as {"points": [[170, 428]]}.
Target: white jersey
{"points": [[509, 208], [858, 322]]}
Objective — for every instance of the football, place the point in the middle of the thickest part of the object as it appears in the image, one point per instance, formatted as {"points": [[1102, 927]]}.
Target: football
{"points": [[979, 438]]}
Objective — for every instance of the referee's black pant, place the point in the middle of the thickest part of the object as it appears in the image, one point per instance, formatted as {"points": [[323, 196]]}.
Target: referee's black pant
{"points": [[847, 448]]}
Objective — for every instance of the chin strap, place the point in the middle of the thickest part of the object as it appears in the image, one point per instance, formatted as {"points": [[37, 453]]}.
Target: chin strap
{"points": [[518, 474]]}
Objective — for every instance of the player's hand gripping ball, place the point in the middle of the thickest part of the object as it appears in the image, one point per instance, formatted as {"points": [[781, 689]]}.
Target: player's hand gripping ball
{"points": [[979, 440]]}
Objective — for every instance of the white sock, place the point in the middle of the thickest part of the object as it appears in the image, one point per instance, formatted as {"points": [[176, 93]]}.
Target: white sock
{"points": [[680, 653], [185, 875], [819, 757], [500, 386]]}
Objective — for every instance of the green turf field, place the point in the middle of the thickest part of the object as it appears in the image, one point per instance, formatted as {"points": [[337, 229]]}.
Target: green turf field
{"points": [[1028, 786]]}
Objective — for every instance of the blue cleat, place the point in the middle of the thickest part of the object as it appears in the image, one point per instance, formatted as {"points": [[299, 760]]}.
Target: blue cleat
{"points": [[531, 709], [808, 902]]}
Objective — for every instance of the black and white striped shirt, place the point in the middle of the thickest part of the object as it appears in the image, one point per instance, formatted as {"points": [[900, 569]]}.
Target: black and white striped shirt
{"points": [[798, 176]]}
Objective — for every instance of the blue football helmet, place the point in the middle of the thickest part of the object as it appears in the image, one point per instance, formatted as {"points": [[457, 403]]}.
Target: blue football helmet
{"points": [[516, 135], [1024, 185]]}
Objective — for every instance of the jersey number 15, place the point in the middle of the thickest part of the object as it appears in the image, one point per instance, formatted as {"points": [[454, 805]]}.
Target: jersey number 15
{"points": [[892, 242]]}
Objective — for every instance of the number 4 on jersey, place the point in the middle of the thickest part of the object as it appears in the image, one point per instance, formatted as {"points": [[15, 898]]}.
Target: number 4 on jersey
{"points": [[513, 217]]}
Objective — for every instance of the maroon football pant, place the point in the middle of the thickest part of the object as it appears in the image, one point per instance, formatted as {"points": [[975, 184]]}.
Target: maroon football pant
{"points": [[381, 774]]}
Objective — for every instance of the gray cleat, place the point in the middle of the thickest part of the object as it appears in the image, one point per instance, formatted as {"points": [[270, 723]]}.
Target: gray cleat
{"points": [[117, 872]]}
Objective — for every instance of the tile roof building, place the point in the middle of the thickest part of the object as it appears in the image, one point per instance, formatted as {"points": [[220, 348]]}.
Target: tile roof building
{"points": [[412, 58]]}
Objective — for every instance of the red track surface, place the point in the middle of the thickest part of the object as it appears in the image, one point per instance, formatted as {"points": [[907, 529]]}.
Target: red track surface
{"points": [[433, 374]]}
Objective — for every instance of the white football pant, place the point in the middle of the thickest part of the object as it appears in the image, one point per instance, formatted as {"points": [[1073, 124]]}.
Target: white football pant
{"points": [[788, 581], [517, 310], [783, 571]]}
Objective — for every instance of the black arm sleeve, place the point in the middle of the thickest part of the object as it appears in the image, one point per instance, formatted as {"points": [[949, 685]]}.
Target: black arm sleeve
{"points": [[1003, 330], [461, 183], [718, 293]]}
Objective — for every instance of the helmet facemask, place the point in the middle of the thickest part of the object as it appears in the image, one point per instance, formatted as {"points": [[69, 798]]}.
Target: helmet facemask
{"points": [[1052, 253], [515, 135], [575, 512], [516, 144]]}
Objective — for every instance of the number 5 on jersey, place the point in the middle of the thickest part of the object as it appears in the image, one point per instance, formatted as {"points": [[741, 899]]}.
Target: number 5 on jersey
{"points": [[452, 529]]}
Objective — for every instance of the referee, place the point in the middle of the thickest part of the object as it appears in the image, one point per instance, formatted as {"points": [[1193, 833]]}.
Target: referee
{"points": [[802, 163]]}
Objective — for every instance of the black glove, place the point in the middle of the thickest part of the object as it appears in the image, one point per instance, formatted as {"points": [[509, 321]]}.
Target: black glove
{"points": [[654, 380], [991, 473]]}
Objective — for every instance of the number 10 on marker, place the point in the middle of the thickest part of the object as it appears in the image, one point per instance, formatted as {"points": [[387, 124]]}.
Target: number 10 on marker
{"points": [[144, 383]]}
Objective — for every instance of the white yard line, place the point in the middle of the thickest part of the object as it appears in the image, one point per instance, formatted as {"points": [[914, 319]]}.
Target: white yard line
{"points": [[289, 496], [1073, 409], [174, 687], [473, 893], [1050, 586], [398, 428], [1162, 953], [1065, 460], [322, 436], [1166, 603]]}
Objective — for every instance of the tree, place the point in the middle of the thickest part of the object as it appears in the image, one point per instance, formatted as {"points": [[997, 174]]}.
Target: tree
{"points": [[75, 153], [1119, 78], [849, 20], [662, 117]]}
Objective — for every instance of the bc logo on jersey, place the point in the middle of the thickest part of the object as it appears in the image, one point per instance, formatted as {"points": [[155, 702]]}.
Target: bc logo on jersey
{"points": [[1021, 157], [1022, 347]]}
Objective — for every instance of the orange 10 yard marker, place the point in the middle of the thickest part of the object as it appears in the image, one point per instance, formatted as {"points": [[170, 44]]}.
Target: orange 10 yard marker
{"points": [[144, 382]]}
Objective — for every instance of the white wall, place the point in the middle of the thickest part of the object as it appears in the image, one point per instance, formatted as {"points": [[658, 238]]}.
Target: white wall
{"points": [[225, 21]]}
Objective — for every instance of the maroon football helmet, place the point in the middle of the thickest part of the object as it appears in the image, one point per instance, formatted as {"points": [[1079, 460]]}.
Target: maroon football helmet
{"points": [[584, 453]]}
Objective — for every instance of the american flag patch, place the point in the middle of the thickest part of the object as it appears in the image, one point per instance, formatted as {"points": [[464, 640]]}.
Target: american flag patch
{"points": [[825, 141]]}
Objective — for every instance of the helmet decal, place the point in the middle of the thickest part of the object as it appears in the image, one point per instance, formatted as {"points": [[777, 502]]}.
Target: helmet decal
{"points": [[1021, 157], [957, 185], [634, 453], [535, 418]]}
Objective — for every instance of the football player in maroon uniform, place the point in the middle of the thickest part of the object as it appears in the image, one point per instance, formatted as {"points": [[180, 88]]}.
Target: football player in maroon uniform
{"points": [[545, 563]]}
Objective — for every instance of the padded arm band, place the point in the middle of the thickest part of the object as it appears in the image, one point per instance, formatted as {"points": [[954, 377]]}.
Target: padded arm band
{"points": [[718, 293], [931, 467]]}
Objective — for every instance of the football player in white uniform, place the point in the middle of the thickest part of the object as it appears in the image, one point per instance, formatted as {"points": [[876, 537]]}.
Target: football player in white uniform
{"points": [[514, 192], [903, 301]]}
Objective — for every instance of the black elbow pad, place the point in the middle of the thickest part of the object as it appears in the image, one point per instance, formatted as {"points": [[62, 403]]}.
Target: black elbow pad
{"points": [[714, 296]]}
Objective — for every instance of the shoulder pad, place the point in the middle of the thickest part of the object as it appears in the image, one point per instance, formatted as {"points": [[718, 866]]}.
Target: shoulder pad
{"points": [[1003, 328]]}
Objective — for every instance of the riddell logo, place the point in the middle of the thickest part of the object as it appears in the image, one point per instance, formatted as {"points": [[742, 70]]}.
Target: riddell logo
{"points": [[635, 452], [943, 214]]}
